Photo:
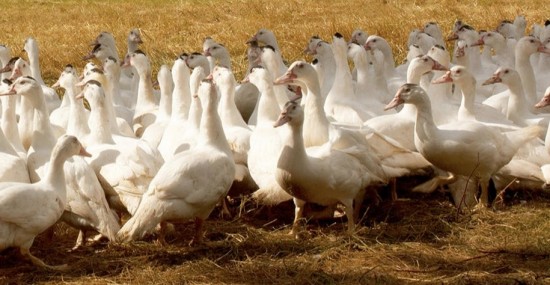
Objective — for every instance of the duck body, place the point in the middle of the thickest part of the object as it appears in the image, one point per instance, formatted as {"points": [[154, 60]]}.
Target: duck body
{"points": [[193, 182]]}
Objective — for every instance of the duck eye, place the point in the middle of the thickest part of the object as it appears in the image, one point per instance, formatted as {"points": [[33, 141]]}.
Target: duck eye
{"points": [[532, 41], [374, 40], [506, 71]]}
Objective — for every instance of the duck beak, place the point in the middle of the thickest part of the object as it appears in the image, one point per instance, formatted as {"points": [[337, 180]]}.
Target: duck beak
{"points": [[494, 79], [79, 95], [83, 152], [543, 49], [88, 56], [12, 91], [446, 78], [439, 66], [56, 84], [545, 101], [286, 78], [396, 101], [283, 119], [480, 42], [297, 94], [452, 37]]}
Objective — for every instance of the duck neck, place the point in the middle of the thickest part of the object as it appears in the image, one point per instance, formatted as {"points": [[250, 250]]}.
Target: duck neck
{"points": [[389, 62], [268, 108], [35, 65], [113, 78], [195, 114], [181, 96], [165, 103], [145, 99], [55, 175], [100, 133], [466, 109], [211, 130], [517, 107], [294, 148], [316, 131], [228, 111], [424, 128], [527, 75], [42, 135], [9, 122], [77, 124]]}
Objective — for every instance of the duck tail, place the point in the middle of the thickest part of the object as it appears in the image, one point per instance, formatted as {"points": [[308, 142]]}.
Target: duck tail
{"points": [[146, 218]]}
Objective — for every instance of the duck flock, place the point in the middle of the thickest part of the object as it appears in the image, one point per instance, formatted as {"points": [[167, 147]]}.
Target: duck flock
{"points": [[315, 132]]}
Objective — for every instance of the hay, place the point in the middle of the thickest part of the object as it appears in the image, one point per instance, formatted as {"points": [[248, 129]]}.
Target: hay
{"points": [[415, 240]]}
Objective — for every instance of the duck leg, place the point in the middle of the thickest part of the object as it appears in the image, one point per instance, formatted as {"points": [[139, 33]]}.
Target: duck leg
{"points": [[161, 240], [80, 240], [298, 215], [348, 208], [484, 198], [199, 232], [25, 251]]}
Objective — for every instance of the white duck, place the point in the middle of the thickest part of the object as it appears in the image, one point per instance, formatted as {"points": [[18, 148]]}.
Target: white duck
{"points": [[146, 106], [503, 54], [120, 98], [382, 159], [462, 148], [517, 110], [371, 88], [128, 166], [52, 99], [25, 124], [320, 175], [393, 77], [13, 167], [325, 66], [246, 94], [342, 104], [60, 116], [469, 110], [8, 121], [86, 206], [400, 126], [179, 135], [118, 125], [77, 116], [154, 134], [236, 130], [265, 141], [26, 210], [190, 185]]}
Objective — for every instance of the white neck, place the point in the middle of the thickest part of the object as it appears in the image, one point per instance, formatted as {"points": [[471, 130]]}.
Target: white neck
{"points": [[268, 108], [228, 111], [466, 110], [211, 130], [316, 124], [527, 75], [181, 96]]}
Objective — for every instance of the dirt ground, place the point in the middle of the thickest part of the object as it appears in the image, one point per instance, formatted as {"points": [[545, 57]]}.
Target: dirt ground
{"points": [[418, 239]]}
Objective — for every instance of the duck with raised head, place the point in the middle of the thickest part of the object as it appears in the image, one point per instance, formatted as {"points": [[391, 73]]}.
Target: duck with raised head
{"points": [[463, 148], [321, 175], [191, 184], [146, 106], [26, 210], [86, 206]]}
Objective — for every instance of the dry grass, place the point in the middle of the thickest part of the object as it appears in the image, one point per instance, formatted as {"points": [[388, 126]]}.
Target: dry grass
{"points": [[64, 28], [416, 240]]}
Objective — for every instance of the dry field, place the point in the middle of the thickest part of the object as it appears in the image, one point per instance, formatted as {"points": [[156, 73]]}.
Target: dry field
{"points": [[417, 239]]}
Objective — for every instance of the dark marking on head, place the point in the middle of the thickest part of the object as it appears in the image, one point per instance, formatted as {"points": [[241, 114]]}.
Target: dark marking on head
{"points": [[7, 81], [269, 47], [440, 47], [139, 51], [338, 35], [92, 81]]}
